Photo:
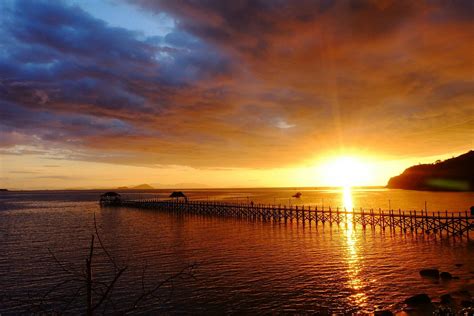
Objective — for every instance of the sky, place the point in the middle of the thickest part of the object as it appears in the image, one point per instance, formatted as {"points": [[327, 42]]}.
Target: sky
{"points": [[230, 93]]}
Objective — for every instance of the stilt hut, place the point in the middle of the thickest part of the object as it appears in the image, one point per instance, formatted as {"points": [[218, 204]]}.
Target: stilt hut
{"points": [[178, 195], [110, 198]]}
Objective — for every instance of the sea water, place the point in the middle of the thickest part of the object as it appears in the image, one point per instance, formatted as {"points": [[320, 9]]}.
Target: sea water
{"points": [[242, 266]]}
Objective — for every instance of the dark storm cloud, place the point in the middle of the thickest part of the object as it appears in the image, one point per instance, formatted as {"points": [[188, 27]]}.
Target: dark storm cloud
{"points": [[241, 25], [65, 75], [50, 41], [69, 30]]}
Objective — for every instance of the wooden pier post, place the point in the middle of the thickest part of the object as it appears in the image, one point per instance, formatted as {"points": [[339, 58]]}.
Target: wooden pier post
{"points": [[362, 218], [423, 222], [416, 223], [468, 226], [446, 222], [330, 217], [453, 225], [402, 221], [309, 215], [381, 220], [440, 227], [316, 215], [323, 220], [372, 219]]}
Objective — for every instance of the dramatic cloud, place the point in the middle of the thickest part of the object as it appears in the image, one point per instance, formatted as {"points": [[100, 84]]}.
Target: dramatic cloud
{"points": [[238, 83]]}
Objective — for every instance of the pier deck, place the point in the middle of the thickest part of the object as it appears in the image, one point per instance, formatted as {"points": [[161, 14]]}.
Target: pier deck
{"points": [[436, 223]]}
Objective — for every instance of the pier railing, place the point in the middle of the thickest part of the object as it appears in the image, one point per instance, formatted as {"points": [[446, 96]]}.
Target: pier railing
{"points": [[436, 223]]}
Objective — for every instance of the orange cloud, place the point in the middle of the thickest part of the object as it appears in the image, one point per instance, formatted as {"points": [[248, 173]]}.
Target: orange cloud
{"points": [[249, 84]]}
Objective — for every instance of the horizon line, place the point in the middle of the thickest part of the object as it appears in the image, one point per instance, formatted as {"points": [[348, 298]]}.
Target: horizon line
{"points": [[199, 188]]}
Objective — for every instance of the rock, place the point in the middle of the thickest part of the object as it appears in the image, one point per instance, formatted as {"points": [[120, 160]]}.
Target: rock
{"points": [[430, 273], [445, 276], [418, 299], [383, 313], [464, 293], [444, 311], [466, 303], [446, 299]]}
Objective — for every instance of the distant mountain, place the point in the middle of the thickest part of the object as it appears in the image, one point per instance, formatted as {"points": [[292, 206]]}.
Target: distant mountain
{"points": [[137, 187], [183, 185], [142, 187], [455, 174], [189, 185]]}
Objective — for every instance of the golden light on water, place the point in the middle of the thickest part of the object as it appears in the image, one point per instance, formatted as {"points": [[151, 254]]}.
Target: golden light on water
{"points": [[353, 258], [346, 172], [347, 198]]}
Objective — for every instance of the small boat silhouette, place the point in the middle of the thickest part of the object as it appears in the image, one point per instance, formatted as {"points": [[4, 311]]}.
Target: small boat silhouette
{"points": [[297, 195]]}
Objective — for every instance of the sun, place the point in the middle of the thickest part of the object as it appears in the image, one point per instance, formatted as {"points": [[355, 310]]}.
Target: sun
{"points": [[347, 171]]}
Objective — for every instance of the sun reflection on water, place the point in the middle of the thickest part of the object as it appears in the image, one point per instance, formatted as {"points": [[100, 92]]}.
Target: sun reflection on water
{"points": [[347, 198], [354, 260]]}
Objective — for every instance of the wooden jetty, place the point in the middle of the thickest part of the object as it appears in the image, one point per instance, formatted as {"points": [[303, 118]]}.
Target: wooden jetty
{"points": [[435, 223]]}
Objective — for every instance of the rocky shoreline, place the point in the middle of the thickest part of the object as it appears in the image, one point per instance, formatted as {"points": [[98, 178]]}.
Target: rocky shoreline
{"points": [[458, 302]]}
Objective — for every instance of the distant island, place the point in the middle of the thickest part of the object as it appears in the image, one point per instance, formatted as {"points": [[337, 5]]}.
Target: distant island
{"points": [[154, 186], [3, 190], [137, 187], [455, 174]]}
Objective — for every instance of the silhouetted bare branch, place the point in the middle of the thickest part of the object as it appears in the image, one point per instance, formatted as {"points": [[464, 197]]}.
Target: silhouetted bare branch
{"points": [[109, 288], [98, 294], [62, 265], [187, 271], [102, 246]]}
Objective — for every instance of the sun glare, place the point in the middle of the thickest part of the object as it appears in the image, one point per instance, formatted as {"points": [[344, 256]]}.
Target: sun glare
{"points": [[347, 172]]}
